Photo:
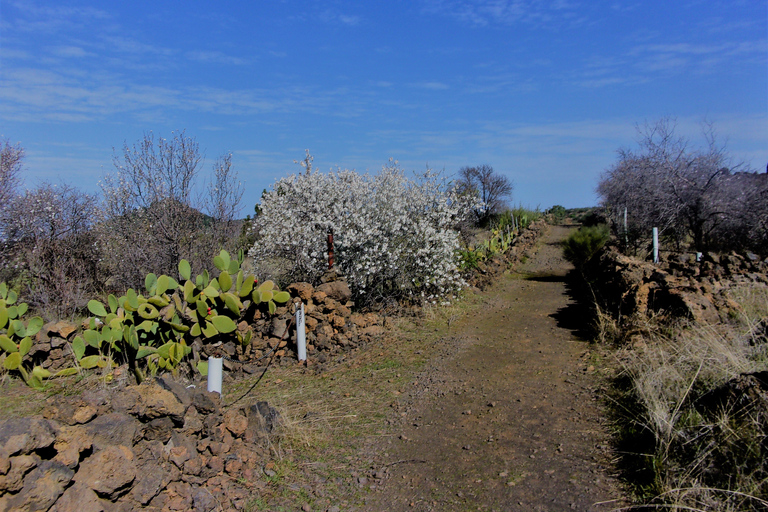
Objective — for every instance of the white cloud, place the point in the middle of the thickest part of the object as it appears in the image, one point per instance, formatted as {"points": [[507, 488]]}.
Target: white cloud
{"points": [[70, 51], [46, 19], [349, 20], [133, 46], [482, 13], [644, 62], [77, 95], [216, 57], [38, 95], [336, 17]]}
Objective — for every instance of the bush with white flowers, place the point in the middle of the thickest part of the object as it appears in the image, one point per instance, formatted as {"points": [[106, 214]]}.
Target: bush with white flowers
{"points": [[394, 236]]}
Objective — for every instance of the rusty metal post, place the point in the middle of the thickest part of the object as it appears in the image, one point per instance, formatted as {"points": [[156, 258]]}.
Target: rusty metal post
{"points": [[330, 248]]}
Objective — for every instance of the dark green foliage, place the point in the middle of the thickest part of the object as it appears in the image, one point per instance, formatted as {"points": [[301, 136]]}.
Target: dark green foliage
{"points": [[593, 218], [582, 244], [558, 213]]}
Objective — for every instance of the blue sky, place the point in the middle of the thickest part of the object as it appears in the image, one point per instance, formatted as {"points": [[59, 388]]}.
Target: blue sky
{"points": [[544, 91]]}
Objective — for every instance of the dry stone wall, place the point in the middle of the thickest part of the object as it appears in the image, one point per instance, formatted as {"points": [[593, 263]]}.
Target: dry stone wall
{"points": [[678, 285], [331, 328], [331, 325]]}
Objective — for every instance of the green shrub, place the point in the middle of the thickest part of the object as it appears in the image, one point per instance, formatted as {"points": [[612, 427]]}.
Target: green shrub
{"points": [[583, 243], [160, 328], [558, 213]]}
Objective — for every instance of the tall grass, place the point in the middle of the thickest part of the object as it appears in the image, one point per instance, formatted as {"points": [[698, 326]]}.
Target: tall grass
{"points": [[695, 412]]}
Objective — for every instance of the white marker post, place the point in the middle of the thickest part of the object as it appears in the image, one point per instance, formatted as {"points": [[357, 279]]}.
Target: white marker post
{"points": [[655, 245], [301, 333], [626, 229], [215, 374]]}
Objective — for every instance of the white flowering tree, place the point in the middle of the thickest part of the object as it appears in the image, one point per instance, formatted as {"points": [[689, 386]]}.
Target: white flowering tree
{"points": [[394, 236]]}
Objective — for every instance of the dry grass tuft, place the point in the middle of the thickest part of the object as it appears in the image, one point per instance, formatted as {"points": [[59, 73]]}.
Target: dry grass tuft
{"points": [[696, 395]]}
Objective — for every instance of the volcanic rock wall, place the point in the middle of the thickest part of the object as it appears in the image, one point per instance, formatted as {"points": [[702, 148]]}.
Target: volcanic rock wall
{"points": [[678, 285], [157, 446]]}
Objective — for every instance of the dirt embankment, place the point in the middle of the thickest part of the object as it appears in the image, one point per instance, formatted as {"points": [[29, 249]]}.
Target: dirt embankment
{"points": [[510, 419]]}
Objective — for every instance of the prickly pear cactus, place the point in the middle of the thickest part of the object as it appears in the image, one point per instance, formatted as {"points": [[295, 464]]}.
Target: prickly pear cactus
{"points": [[151, 330], [16, 337], [215, 306]]}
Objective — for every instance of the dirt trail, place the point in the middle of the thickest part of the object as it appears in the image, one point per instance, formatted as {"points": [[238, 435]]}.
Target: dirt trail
{"points": [[510, 420]]}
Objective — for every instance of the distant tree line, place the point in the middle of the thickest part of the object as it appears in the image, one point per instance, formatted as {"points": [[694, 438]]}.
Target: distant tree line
{"points": [[699, 198]]}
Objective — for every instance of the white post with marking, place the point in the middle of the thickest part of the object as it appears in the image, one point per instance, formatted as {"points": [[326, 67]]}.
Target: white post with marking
{"points": [[655, 245], [215, 374], [626, 229], [301, 332]]}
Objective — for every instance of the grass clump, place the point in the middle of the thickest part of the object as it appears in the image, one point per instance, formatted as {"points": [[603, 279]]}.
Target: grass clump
{"points": [[694, 413], [584, 243]]}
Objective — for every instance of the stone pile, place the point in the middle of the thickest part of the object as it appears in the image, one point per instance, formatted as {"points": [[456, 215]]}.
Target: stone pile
{"points": [[678, 285], [158, 446], [51, 349]]}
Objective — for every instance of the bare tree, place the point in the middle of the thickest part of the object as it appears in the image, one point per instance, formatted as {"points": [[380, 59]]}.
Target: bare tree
{"points": [[150, 218], [225, 195], [491, 188], [153, 209], [51, 212], [747, 224], [689, 194]]}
